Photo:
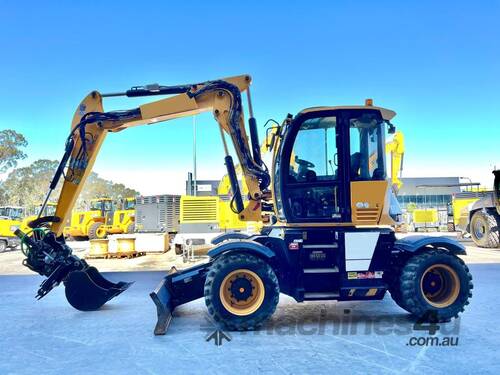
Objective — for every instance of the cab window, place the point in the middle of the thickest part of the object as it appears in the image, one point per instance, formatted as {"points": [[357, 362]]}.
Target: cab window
{"points": [[314, 154], [130, 204], [367, 148]]}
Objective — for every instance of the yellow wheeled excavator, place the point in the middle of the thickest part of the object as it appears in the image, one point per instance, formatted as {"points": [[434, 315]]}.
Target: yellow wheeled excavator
{"points": [[328, 234]]}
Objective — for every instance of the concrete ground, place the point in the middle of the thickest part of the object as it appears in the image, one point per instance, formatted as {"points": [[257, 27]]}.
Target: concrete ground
{"points": [[50, 337]]}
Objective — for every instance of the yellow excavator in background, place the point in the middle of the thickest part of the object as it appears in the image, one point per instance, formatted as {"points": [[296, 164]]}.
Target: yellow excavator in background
{"points": [[328, 236]]}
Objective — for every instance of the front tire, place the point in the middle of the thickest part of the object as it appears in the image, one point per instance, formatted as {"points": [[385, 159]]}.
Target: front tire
{"points": [[484, 229], [3, 246], [435, 285], [96, 231], [130, 228], [241, 291], [451, 227]]}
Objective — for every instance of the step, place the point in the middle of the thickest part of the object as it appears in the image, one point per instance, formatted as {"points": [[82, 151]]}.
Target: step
{"points": [[325, 246], [321, 295], [321, 270]]}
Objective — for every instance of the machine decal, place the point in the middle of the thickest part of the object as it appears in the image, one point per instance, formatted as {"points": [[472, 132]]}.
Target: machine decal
{"points": [[365, 275], [359, 248]]}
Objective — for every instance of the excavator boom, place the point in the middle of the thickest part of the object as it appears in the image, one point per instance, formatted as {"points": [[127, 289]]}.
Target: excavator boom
{"points": [[46, 251]]}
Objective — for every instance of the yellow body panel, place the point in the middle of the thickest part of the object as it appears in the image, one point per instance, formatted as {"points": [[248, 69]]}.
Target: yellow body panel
{"points": [[75, 178], [460, 211], [122, 219], [370, 203], [397, 149], [422, 216], [81, 222], [199, 210], [210, 209], [7, 226]]}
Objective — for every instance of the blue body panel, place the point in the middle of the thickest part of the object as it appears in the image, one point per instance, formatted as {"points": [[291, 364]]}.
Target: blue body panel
{"points": [[414, 243], [229, 236], [247, 246]]}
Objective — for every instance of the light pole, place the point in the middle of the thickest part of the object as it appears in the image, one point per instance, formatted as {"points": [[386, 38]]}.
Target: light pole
{"points": [[194, 157]]}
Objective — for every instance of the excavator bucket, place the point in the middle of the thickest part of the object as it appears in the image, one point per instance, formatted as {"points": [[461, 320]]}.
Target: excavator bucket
{"points": [[88, 290]]}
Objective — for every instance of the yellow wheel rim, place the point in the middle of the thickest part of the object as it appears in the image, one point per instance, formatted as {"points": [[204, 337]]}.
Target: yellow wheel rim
{"points": [[100, 232], [440, 285], [242, 292]]}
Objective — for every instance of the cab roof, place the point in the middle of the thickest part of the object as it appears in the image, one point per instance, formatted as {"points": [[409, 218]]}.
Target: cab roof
{"points": [[387, 114]]}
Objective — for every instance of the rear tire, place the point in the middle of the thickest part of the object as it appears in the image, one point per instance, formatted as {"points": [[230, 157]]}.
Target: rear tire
{"points": [[130, 228], [241, 291], [484, 229], [96, 232], [435, 285], [3, 246]]}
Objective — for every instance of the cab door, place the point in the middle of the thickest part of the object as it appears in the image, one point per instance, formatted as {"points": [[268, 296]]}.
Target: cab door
{"points": [[313, 177]]}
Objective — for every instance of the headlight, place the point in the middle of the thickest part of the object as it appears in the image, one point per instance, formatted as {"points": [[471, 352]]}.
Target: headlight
{"points": [[13, 228]]}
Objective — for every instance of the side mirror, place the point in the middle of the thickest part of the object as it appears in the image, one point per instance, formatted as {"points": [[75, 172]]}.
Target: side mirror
{"points": [[392, 128]]}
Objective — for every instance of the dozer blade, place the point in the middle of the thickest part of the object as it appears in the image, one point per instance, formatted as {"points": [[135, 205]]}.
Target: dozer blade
{"points": [[176, 289], [88, 290], [164, 307]]}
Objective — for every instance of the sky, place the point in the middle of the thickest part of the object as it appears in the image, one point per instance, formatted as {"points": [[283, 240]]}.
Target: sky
{"points": [[437, 64]]}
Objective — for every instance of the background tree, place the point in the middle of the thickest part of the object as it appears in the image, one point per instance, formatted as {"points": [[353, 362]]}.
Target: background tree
{"points": [[27, 186], [97, 187], [11, 144]]}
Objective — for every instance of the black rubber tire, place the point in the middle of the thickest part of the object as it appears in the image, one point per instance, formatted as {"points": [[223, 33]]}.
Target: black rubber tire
{"points": [[397, 297], [219, 270], [79, 238], [411, 297], [451, 227], [491, 223], [93, 231], [130, 228], [3, 246], [392, 279]]}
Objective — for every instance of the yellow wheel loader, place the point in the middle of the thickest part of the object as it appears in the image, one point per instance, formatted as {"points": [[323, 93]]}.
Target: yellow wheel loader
{"points": [[328, 236], [91, 223], [10, 221], [483, 217], [123, 219]]}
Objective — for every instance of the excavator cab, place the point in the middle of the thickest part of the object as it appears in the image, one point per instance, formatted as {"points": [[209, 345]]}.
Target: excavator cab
{"points": [[316, 184]]}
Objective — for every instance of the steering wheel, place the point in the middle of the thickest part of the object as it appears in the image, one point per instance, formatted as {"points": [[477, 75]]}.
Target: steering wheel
{"points": [[304, 163]]}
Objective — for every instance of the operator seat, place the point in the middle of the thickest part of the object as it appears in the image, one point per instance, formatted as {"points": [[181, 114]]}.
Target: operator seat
{"points": [[355, 165]]}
